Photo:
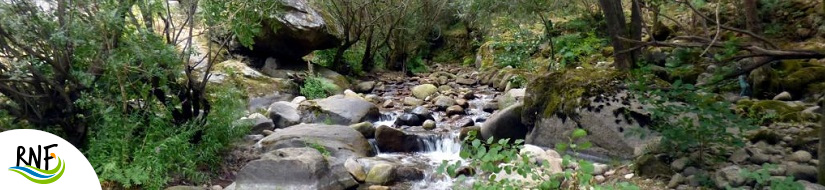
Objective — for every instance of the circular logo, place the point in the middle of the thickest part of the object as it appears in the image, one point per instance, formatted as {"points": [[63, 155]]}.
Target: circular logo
{"points": [[40, 160]]}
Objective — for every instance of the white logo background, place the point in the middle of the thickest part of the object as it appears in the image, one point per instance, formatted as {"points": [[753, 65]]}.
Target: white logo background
{"points": [[79, 174]]}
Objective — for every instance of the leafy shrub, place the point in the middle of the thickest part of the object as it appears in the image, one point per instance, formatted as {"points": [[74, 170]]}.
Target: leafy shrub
{"points": [[571, 48], [763, 179], [416, 65], [689, 119], [148, 152], [517, 51], [317, 87]]}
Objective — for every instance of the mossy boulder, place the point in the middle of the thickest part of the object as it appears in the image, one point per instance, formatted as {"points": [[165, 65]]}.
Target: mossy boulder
{"points": [[797, 82], [591, 99], [776, 110], [652, 167]]}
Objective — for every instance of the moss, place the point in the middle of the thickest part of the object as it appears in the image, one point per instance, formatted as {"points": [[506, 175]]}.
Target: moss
{"points": [[688, 74], [652, 167], [797, 82], [562, 92], [772, 109], [765, 82]]}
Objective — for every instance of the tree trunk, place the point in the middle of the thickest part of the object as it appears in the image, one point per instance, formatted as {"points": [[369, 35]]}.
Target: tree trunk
{"points": [[752, 16], [338, 62], [614, 16], [366, 59], [635, 29]]}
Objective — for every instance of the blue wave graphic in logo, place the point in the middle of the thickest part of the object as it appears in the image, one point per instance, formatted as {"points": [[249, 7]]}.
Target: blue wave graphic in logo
{"points": [[31, 172]]}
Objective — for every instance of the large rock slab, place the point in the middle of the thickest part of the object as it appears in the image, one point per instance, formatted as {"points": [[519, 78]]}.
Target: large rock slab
{"points": [[589, 99], [294, 168], [339, 110], [342, 142], [505, 124], [293, 32]]}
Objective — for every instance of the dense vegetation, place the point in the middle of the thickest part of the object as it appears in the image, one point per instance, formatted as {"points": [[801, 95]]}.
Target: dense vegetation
{"points": [[128, 82]]}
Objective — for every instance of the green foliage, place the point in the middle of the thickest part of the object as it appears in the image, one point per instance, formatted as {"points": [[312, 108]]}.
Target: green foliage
{"points": [[572, 48], [690, 119], [133, 150], [323, 150], [764, 179], [416, 65], [243, 18], [318, 87], [516, 52]]}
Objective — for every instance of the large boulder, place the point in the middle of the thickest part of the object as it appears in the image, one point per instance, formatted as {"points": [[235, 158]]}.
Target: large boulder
{"points": [[505, 124], [589, 99], [294, 168], [424, 90], [338, 110], [341, 142], [293, 32]]}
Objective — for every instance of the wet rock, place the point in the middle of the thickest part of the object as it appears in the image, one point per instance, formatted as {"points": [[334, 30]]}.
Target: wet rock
{"points": [[298, 100], [410, 101], [380, 174], [803, 172], [339, 110], [811, 186], [423, 112], [443, 102], [800, 156], [465, 171], [409, 119], [424, 90], [680, 163], [293, 168], [283, 114], [505, 124], [390, 139], [267, 132], [388, 104], [373, 98], [469, 96], [341, 141], [365, 128], [406, 173], [428, 125], [355, 169], [729, 176], [490, 107], [455, 110], [463, 103], [465, 122], [784, 96], [365, 87]]}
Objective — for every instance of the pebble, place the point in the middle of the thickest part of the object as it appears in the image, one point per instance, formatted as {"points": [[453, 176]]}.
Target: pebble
{"points": [[600, 178], [800, 156], [628, 176]]}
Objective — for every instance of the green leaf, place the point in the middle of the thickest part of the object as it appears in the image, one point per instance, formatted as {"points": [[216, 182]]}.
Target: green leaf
{"points": [[579, 133], [585, 145]]}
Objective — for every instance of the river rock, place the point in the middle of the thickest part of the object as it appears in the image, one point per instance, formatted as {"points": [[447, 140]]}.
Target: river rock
{"points": [[729, 176], [355, 169], [283, 114], [539, 156], [406, 173], [293, 168], [365, 128], [800, 156], [423, 112], [463, 103], [339, 110], [466, 131], [341, 141], [490, 107], [388, 104], [260, 122], [739, 156], [505, 124], [680, 163], [811, 186], [409, 119], [465, 122], [389, 139], [300, 30], [380, 174], [443, 102], [455, 110], [378, 187], [803, 172], [410, 101], [424, 90], [466, 81], [784, 96], [469, 96], [365, 87], [428, 125]]}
